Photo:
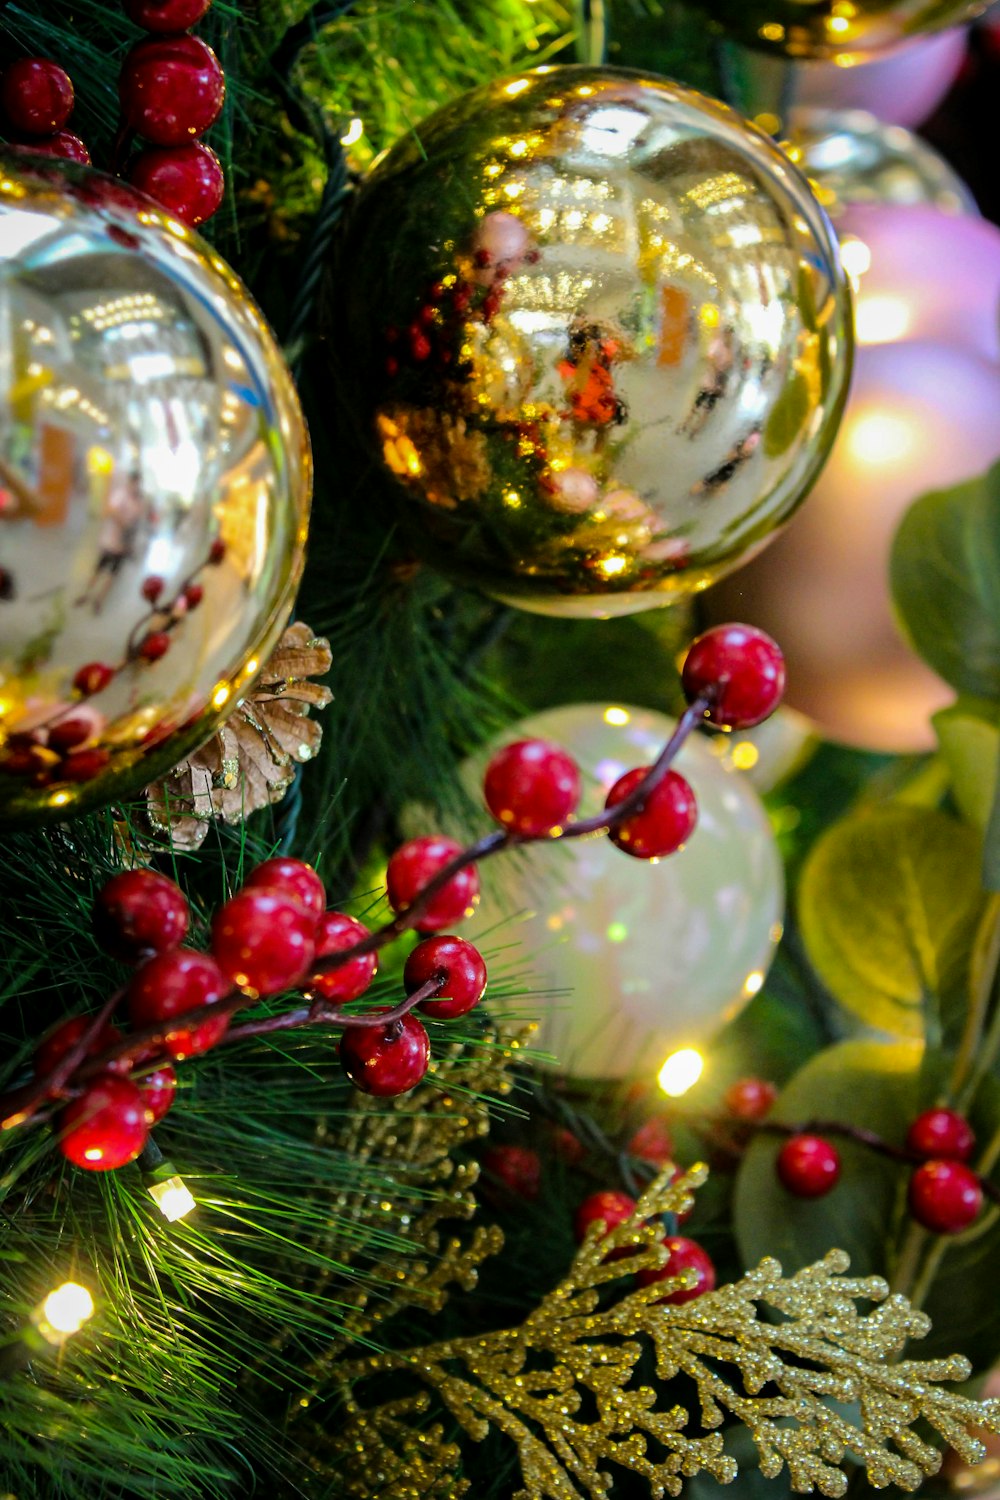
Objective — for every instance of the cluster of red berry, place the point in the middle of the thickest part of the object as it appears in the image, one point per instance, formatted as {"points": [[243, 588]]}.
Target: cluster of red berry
{"points": [[276, 934], [171, 90], [944, 1194], [612, 1208]]}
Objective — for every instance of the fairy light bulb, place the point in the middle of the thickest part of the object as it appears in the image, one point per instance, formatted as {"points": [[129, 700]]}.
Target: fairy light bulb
{"points": [[63, 1313], [681, 1071], [172, 1197]]}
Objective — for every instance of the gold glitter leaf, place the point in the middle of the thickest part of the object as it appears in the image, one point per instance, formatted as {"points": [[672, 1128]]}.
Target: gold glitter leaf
{"points": [[563, 1386]]}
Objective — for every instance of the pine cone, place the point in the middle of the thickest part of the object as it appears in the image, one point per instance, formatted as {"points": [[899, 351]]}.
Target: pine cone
{"points": [[250, 762]]}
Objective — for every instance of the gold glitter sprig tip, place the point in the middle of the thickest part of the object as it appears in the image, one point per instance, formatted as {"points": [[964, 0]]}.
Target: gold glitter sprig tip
{"points": [[563, 1386]]}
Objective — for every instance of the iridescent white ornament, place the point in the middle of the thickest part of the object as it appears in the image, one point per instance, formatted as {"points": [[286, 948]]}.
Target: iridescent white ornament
{"points": [[632, 960]]}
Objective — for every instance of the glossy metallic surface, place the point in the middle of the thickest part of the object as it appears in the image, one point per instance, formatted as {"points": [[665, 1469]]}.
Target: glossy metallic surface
{"points": [[852, 157], [600, 330], [846, 30], [154, 489]]}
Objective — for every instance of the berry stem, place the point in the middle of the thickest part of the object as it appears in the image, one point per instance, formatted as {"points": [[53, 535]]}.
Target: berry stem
{"points": [[319, 1013], [20, 1104]]}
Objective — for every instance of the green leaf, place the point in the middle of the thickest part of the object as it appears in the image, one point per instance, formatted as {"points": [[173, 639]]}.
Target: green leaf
{"points": [[871, 1084], [888, 904], [969, 735], [945, 576]]}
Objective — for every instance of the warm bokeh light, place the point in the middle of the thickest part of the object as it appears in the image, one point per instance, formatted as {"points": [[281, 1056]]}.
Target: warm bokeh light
{"points": [[881, 319], [172, 1197], [616, 716], [855, 256], [879, 437], [681, 1071], [353, 133], [63, 1312]]}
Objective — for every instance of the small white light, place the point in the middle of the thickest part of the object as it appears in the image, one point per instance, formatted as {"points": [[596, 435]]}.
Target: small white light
{"points": [[172, 1197], [63, 1312], [681, 1071], [353, 133]]}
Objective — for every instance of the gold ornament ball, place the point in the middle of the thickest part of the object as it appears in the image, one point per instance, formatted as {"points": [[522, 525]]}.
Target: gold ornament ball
{"points": [[845, 31], [598, 328], [154, 490]]}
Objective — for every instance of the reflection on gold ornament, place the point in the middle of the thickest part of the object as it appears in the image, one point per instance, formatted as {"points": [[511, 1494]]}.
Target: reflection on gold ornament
{"points": [[843, 31], [154, 490], [921, 417], [612, 338]]}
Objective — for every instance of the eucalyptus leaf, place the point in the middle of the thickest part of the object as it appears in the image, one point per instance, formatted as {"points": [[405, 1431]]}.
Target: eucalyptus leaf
{"points": [[969, 735], [866, 1083], [888, 904], [945, 576]]}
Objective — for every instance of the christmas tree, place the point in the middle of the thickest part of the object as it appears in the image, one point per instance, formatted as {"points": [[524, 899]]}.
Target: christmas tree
{"points": [[462, 1035]]}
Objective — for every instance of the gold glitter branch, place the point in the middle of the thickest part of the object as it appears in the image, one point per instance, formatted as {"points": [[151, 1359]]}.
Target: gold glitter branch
{"points": [[562, 1386]]}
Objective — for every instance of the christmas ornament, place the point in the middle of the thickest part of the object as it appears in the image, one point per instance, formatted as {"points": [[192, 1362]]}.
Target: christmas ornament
{"points": [[902, 85], [941, 1133], [149, 433], [944, 1196], [808, 1166], [923, 274], [921, 417], [618, 361], [251, 760], [632, 961], [853, 157], [833, 29]]}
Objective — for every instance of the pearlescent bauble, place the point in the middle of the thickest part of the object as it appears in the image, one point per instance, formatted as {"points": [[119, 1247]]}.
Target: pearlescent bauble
{"points": [[926, 275], [921, 417], [154, 490], [598, 327], [852, 158], [833, 29], [901, 86], [626, 960]]}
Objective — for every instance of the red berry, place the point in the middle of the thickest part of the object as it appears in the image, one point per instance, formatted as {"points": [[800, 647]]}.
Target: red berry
{"points": [[293, 877], [609, 1208], [532, 787], [37, 95], [750, 1098], [411, 868], [158, 1089], [193, 595], [685, 1255], [263, 941], [106, 1126], [152, 588], [666, 819], [171, 88], [335, 932], [740, 670], [188, 181], [567, 1146], [518, 1168], [68, 732], [652, 1142], [386, 1060], [464, 971], [84, 765], [944, 1196], [54, 1047], [140, 912], [92, 678], [941, 1133], [420, 346], [166, 15], [808, 1166], [64, 145], [172, 984], [216, 552], [154, 645]]}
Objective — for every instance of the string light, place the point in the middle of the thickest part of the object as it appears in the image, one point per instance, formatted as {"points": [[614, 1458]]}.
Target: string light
{"points": [[63, 1312], [172, 1197], [353, 133], [681, 1071]]}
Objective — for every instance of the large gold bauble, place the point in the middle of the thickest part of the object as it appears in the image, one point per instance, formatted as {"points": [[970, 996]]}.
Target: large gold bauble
{"points": [[843, 30], [599, 328], [154, 490]]}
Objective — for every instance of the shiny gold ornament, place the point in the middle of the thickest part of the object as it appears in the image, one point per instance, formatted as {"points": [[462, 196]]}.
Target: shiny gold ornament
{"points": [[154, 490], [598, 327], [563, 1387], [842, 30]]}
